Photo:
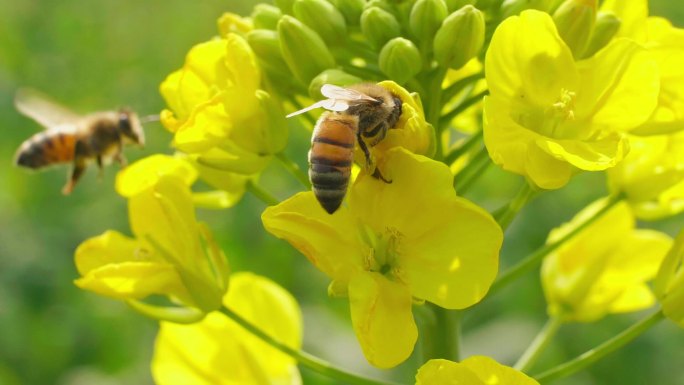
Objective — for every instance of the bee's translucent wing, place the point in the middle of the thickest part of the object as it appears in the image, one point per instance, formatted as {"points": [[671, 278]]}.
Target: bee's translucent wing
{"points": [[328, 104], [40, 108], [335, 92], [339, 99]]}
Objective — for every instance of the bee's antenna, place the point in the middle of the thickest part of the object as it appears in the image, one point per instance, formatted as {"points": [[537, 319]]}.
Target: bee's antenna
{"points": [[149, 118]]}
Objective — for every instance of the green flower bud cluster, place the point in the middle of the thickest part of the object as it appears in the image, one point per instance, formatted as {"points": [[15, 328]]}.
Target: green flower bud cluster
{"points": [[302, 44]]}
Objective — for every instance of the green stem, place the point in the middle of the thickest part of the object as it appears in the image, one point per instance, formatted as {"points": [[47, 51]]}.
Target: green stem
{"points": [[505, 216], [593, 355], [533, 259], [262, 194], [447, 334], [294, 169], [458, 86], [305, 359], [541, 341], [465, 147], [449, 116], [466, 178], [434, 98]]}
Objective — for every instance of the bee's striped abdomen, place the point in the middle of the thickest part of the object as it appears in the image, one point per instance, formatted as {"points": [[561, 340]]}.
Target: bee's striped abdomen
{"points": [[46, 148], [330, 159]]}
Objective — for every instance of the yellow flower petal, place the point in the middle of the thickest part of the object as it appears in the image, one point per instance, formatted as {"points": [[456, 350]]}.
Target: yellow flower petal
{"points": [[604, 268], [529, 73], [244, 76], [620, 86], [448, 247], [476, 370], [330, 242], [221, 341], [109, 248], [382, 319], [191, 86], [132, 280], [516, 148], [445, 372], [146, 172], [590, 155], [207, 124]]}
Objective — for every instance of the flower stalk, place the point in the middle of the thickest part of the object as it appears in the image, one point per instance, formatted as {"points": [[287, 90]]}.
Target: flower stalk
{"points": [[535, 258], [305, 359], [593, 355], [541, 341]]}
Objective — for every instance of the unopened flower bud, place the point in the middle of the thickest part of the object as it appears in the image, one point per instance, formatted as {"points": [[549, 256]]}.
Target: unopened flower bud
{"points": [[514, 7], [400, 60], [322, 17], [379, 26], [266, 16], [351, 9], [607, 25], [460, 38], [331, 76], [303, 50], [425, 19], [575, 20], [265, 44], [274, 133]]}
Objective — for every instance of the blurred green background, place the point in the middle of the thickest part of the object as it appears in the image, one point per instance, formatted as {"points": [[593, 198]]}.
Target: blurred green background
{"points": [[94, 55]]}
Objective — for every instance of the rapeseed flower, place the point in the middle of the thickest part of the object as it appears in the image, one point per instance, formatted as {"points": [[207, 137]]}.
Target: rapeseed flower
{"points": [[217, 351], [394, 243], [476, 370], [652, 176], [170, 254], [603, 269], [547, 116], [219, 115], [665, 44]]}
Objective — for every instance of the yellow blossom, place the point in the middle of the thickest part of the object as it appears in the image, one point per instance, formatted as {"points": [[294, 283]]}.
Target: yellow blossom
{"points": [[171, 254], [217, 351], [412, 238], [669, 284], [220, 117], [603, 269], [665, 44], [476, 370], [652, 176], [547, 116]]}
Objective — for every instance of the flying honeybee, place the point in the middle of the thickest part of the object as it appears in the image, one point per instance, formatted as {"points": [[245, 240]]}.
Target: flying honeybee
{"points": [[72, 138], [360, 114]]}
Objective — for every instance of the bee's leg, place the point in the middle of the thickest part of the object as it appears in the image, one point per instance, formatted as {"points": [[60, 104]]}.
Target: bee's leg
{"points": [[378, 133], [119, 157], [100, 167], [121, 160], [77, 171], [364, 148], [376, 173]]}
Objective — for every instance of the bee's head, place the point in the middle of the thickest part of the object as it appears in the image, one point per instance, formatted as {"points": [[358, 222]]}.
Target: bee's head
{"points": [[130, 126]]}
